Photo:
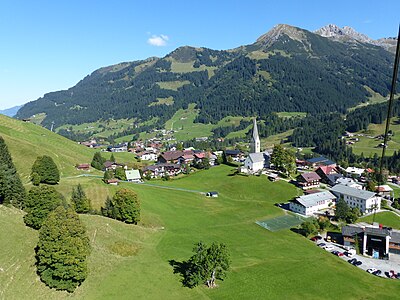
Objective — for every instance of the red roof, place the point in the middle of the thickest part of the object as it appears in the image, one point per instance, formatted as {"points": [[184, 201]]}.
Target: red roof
{"points": [[327, 169], [310, 176]]}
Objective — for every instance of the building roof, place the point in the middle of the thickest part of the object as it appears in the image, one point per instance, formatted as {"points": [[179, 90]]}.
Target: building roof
{"points": [[258, 157], [232, 152], [384, 188], [321, 160], [327, 169], [132, 174], [350, 191], [310, 176], [313, 199], [172, 155], [354, 170]]}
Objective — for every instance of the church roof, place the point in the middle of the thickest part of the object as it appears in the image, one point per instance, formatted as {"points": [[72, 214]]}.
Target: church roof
{"points": [[255, 130]]}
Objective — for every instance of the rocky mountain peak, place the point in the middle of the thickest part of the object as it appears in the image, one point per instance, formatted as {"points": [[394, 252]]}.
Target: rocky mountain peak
{"points": [[278, 30]]}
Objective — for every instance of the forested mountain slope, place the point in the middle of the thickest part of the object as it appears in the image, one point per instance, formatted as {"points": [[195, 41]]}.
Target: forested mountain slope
{"points": [[286, 69]]}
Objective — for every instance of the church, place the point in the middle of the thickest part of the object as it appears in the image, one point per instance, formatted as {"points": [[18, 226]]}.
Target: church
{"points": [[256, 160]]}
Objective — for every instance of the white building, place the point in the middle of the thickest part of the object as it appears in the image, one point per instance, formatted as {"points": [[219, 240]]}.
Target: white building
{"points": [[148, 156], [257, 161], [364, 200], [309, 204], [353, 171], [133, 176]]}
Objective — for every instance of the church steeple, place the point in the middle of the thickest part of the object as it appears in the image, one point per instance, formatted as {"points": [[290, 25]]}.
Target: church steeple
{"points": [[255, 141]]}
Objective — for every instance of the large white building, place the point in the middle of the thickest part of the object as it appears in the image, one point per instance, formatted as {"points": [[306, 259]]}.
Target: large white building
{"points": [[366, 201], [309, 204]]}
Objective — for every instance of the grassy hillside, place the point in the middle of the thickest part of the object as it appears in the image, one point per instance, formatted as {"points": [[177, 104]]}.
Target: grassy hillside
{"points": [[133, 261], [26, 141]]}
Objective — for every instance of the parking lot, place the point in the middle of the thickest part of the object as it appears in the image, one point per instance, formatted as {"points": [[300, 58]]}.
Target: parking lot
{"points": [[367, 263]]}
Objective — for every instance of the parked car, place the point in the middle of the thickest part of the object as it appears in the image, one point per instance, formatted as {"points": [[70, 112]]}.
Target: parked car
{"points": [[372, 270], [392, 274], [321, 245], [358, 263], [340, 253], [314, 239], [350, 252], [328, 247], [352, 260], [377, 273]]}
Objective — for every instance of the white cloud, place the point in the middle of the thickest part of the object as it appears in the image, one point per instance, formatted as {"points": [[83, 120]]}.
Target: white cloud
{"points": [[158, 40]]}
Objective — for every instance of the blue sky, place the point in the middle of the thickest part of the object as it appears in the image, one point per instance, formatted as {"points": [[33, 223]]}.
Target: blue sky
{"points": [[50, 45]]}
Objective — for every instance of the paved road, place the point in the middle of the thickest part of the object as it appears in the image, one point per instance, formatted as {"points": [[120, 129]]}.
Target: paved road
{"points": [[384, 265]]}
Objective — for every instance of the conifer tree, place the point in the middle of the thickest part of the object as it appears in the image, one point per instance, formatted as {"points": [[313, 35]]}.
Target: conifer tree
{"points": [[62, 250], [45, 170], [11, 189], [98, 161], [80, 201], [124, 206]]}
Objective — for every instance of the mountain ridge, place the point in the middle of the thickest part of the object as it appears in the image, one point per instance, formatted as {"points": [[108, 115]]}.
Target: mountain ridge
{"points": [[286, 69]]}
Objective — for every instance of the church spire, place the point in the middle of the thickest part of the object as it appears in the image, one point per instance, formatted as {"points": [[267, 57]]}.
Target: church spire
{"points": [[255, 141]]}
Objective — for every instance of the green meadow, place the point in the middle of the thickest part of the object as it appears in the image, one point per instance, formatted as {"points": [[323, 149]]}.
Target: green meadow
{"points": [[386, 218], [135, 261]]}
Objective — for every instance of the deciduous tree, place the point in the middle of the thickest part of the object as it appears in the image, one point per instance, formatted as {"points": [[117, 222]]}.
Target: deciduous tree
{"points": [[41, 200], [208, 264], [62, 250], [124, 206]]}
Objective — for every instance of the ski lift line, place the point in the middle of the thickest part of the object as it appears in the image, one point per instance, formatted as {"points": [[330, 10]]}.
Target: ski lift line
{"points": [[392, 93]]}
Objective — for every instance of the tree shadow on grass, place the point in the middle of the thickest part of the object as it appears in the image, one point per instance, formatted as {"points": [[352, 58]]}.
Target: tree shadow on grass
{"points": [[182, 268]]}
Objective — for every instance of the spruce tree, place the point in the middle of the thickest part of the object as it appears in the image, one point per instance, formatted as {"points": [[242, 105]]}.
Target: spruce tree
{"points": [[11, 189], [62, 250], [44, 170], [98, 161], [41, 200], [80, 201]]}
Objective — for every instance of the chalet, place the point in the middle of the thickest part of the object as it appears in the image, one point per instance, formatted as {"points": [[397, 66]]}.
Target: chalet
{"points": [[373, 240], [236, 155], [308, 180], [257, 161], [160, 170], [366, 201], [200, 156], [133, 176], [186, 159], [385, 191], [109, 165], [325, 171], [320, 161], [170, 157], [83, 167], [354, 172], [310, 204], [147, 156]]}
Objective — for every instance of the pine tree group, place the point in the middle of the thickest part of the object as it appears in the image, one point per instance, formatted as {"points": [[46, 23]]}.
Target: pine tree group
{"points": [[80, 201]]}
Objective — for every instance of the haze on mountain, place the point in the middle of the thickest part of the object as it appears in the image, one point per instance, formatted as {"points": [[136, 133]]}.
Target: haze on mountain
{"points": [[286, 69], [10, 112]]}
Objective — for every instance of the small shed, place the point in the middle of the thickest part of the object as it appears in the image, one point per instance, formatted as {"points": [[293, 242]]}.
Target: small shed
{"points": [[212, 194], [112, 181]]}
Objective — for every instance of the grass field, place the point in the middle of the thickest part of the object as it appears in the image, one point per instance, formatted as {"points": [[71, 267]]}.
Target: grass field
{"points": [[129, 260], [386, 218], [368, 145], [26, 141]]}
